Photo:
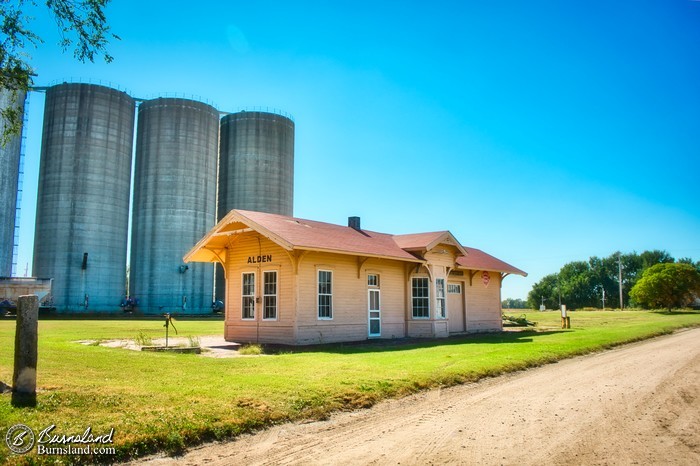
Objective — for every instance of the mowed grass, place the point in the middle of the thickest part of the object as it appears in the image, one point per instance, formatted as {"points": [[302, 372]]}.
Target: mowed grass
{"points": [[160, 401]]}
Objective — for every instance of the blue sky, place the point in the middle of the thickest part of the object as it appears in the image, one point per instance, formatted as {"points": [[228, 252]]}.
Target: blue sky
{"points": [[541, 132]]}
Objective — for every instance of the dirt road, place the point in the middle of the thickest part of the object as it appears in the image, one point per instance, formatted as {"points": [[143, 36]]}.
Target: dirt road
{"points": [[638, 404]]}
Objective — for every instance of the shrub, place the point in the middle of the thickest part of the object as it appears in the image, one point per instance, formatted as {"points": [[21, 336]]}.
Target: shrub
{"points": [[143, 340], [251, 349], [193, 342]]}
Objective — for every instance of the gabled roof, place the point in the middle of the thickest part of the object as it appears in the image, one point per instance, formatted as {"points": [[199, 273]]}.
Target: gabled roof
{"points": [[299, 234], [477, 259], [426, 241], [295, 233]]}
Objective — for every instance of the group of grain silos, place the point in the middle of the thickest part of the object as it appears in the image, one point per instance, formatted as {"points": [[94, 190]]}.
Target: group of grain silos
{"points": [[184, 151]]}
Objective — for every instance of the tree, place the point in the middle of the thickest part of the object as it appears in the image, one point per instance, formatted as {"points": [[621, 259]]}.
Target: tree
{"points": [[578, 288], [667, 285], [545, 291], [604, 276], [513, 303], [81, 23], [581, 284], [688, 260]]}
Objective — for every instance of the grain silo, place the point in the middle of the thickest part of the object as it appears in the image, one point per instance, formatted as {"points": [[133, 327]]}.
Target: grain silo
{"points": [[83, 197], [256, 167], [256, 163], [174, 204], [9, 180]]}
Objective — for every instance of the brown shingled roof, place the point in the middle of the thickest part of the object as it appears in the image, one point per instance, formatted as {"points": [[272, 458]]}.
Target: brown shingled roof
{"points": [[295, 233], [477, 259], [299, 233], [427, 241], [418, 240]]}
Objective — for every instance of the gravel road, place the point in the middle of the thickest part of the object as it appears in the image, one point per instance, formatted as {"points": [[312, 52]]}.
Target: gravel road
{"points": [[636, 404]]}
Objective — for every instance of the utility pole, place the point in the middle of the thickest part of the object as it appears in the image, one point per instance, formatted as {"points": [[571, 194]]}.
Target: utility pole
{"points": [[603, 297], [619, 271], [559, 288]]}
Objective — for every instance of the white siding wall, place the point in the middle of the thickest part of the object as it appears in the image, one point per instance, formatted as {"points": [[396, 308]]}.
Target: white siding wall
{"points": [[240, 330], [484, 304], [297, 300], [349, 322]]}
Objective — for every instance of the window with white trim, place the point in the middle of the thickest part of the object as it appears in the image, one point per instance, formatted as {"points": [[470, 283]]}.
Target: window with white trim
{"points": [[248, 296], [454, 288], [270, 295], [441, 311], [420, 297], [373, 280], [325, 294]]}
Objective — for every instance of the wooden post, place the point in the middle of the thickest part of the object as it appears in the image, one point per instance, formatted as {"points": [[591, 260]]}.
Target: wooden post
{"points": [[26, 354], [564, 318]]}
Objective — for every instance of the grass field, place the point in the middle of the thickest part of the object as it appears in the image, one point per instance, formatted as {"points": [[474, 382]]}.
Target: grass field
{"points": [[157, 401]]}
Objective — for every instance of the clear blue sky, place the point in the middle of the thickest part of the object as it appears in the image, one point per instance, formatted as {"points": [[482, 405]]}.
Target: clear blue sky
{"points": [[541, 132]]}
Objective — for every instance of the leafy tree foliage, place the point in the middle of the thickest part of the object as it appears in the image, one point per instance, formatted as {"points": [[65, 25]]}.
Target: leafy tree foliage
{"points": [[81, 23], [583, 284], [546, 292], [667, 285], [511, 303]]}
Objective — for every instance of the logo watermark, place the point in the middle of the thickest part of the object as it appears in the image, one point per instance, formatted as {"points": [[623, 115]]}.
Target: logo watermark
{"points": [[20, 439]]}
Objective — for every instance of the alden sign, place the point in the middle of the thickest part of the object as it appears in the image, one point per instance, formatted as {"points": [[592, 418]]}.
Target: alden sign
{"points": [[259, 259]]}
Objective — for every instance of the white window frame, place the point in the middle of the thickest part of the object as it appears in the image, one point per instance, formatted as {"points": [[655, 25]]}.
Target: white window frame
{"points": [[319, 295], [426, 299], [440, 299], [266, 295], [454, 288], [248, 296], [370, 292], [373, 285]]}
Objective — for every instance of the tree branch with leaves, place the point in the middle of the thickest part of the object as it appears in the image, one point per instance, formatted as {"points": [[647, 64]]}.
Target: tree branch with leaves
{"points": [[82, 25]]}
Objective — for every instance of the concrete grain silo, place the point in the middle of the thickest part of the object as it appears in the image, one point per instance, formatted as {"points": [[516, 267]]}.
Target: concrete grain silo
{"points": [[174, 204], [83, 197], [9, 181], [256, 163], [256, 167]]}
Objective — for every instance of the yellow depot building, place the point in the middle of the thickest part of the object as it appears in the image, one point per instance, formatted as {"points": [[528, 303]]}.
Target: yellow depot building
{"points": [[298, 282]]}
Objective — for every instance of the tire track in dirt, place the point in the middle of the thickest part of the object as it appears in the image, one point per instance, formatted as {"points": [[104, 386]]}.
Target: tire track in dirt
{"points": [[634, 404]]}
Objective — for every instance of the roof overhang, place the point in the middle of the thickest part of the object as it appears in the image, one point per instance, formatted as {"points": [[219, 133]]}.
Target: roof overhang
{"points": [[476, 259], [212, 247]]}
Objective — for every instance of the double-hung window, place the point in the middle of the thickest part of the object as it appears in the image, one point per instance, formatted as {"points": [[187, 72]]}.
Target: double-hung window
{"points": [[441, 311], [270, 295], [248, 296], [420, 297], [325, 294]]}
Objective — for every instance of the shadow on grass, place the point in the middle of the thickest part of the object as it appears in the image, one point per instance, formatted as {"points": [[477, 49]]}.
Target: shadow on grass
{"points": [[403, 344]]}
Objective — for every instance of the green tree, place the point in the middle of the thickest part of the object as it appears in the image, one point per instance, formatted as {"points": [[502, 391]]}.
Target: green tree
{"points": [[547, 291], [581, 283], [513, 303], [667, 285], [81, 24], [578, 288], [604, 276], [688, 260]]}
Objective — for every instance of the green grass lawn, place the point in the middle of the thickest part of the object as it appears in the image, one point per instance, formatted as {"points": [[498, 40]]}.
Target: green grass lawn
{"points": [[157, 401]]}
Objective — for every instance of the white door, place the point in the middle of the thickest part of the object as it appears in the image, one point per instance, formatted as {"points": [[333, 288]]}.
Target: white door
{"points": [[455, 306], [374, 314]]}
